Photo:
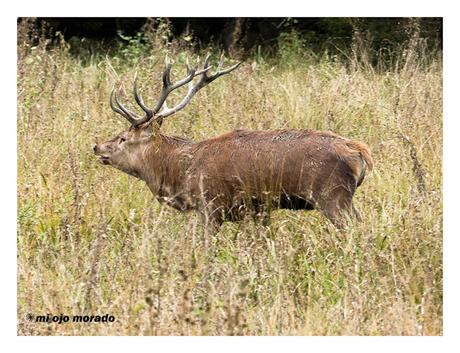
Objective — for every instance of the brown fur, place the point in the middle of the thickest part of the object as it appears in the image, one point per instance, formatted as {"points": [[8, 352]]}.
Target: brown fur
{"points": [[245, 172]]}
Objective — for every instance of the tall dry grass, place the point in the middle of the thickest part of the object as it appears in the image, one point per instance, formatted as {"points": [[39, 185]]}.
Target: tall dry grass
{"points": [[92, 240]]}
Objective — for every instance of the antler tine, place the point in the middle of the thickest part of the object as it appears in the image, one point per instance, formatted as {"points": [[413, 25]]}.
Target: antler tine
{"points": [[167, 73], [206, 65], [203, 81], [168, 87], [121, 109], [221, 62], [129, 113], [204, 70], [206, 60], [114, 108], [197, 72], [220, 72], [140, 102], [187, 79], [230, 69]]}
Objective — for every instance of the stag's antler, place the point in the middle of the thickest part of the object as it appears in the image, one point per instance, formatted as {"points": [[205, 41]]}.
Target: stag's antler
{"points": [[168, 87]]}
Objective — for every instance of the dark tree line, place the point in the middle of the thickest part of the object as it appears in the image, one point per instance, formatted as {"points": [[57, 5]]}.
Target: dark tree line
{"points": [[244, 34]]}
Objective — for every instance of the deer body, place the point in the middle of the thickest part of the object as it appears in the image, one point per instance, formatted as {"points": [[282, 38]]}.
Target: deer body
{"points": [[241, 172]]}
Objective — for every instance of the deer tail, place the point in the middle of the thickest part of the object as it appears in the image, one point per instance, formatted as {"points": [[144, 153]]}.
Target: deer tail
{"points": [[360, 159], [364, 151]]}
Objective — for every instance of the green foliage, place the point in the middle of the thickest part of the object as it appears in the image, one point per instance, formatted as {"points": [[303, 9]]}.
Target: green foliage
{"points": [[291, 49], [132, 47]]}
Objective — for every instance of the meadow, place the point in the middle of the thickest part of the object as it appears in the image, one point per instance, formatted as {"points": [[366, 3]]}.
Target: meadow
{"points": [[94, 241]]}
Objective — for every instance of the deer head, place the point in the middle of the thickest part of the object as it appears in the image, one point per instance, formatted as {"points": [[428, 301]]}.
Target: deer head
{"points": [[127, 150]]}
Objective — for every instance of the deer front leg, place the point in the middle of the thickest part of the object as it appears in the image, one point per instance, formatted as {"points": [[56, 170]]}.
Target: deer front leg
{"points": [[211, 218]]}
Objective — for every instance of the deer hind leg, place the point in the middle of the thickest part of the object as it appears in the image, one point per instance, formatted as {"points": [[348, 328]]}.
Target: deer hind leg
{"points": [[338, 207]]}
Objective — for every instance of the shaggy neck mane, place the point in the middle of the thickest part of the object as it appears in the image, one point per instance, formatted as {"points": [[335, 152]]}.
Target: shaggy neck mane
{"points": [[163, 168], [175, 140]]}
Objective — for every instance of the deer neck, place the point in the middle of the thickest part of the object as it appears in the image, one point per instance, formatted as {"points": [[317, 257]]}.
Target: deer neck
{"points": [[164, 169]]}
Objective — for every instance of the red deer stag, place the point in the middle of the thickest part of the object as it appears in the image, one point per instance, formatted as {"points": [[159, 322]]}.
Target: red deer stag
{"points": [[240, 172]]}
